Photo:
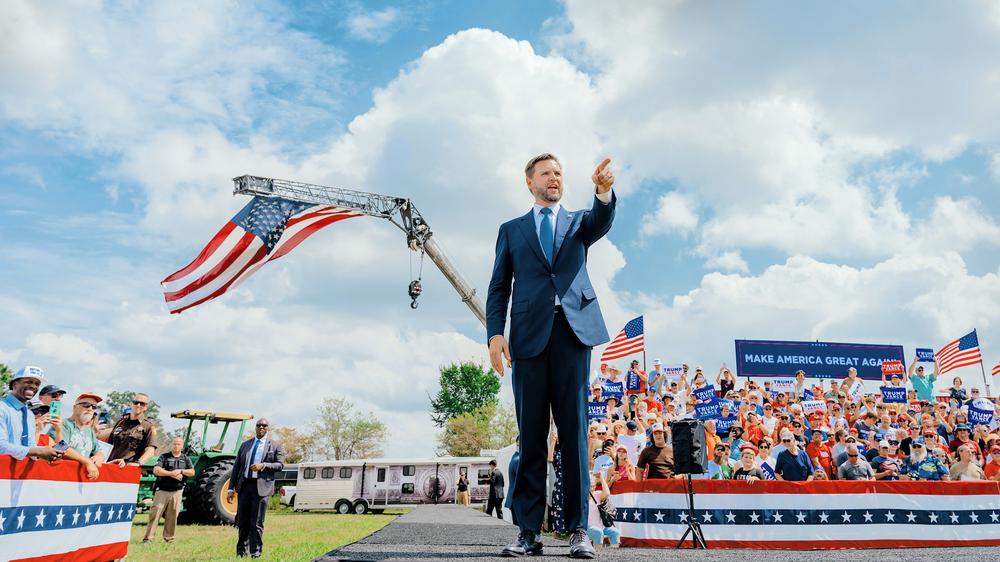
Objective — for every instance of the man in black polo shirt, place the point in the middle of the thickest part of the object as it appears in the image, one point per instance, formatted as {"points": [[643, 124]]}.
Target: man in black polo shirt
{"points": [[171, 469]]}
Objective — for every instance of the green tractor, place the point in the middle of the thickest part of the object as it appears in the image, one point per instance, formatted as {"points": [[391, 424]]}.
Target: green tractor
{"points": [[205, 495]]}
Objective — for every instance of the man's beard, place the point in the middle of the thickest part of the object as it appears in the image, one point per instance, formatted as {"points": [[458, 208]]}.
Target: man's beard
{"points": [[85, 417], [543, 194], [918, 457]]}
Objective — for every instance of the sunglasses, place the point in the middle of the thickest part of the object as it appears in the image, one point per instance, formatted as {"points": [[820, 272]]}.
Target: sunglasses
{"points": [[894, 442], [786, 440], [262, 425], [139, 403], [850, 455], [916, 446], [88, 405]]}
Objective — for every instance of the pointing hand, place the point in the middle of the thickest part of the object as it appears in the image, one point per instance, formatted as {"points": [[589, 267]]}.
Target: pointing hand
{"points": [[603, 178]]}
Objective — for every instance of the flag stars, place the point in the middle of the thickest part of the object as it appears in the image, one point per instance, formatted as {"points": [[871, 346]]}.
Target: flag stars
{"points": [[636, 516], [59, 517], [120, 511], [76, 516], [823, 517], [130, 511], [800, 517], [954, 517], [40, 519], [994, 517], [730, 517], [2, 521], [707, 517], [868, 517], [890, 516], [974, 517], [754, 517], [911, 517], [86, 516], [683, 516], [777, 517], [98, 514], [847, 517], [20, 520], [933, 517], [658, 515]]}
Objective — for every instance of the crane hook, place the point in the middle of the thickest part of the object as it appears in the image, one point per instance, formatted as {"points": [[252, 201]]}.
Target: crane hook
{"points": [[414, 290]]}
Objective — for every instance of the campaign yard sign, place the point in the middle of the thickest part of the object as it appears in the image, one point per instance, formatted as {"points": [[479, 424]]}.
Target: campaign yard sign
{"points": [[811, 406], [894, 395], [705, 393], [981, 412], [855, 390], [768, 358], [673, 372], [925, 355], [613, 389], [596, 410], [708, 411], [632, 382], [785, 385], [892, 367], [722, 425]]}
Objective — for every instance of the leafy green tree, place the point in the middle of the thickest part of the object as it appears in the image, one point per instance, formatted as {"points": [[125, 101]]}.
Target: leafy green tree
{"points": [[465, 387], [5, 375], [491, 426], [341, 432]]}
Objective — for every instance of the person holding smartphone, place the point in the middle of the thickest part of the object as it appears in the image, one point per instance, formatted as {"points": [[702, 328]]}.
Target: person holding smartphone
{"points": [[55, 440], [17, 427]]}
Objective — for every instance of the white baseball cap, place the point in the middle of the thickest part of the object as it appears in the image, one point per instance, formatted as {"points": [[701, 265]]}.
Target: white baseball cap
{"points": [[29, 372], [657, 362]]}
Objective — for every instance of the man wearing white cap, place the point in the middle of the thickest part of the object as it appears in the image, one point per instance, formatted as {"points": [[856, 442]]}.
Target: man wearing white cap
{"points": [[17, 423], [657, 380]]}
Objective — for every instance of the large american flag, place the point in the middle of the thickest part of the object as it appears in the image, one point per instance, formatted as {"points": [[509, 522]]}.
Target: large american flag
{"points": [[628, 341], [51, 512], [266, 229], [810, 515], [960, 353]]}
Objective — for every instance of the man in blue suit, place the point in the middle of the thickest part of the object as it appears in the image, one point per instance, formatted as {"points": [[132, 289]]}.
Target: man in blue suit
{"points": [[541, 270]]}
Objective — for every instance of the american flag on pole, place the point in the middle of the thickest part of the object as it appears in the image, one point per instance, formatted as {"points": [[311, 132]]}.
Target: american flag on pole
{"points": [[266, 229], [810, 515], [996, 369], [960, 353], [628, 341], [52, 512]]}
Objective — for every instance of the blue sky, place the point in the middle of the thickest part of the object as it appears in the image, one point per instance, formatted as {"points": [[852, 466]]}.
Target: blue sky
{"points": [[782, 174]]}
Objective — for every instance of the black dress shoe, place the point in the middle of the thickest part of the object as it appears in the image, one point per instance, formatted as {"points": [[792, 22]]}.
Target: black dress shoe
{"points": [[525, 545], [580, 545]]}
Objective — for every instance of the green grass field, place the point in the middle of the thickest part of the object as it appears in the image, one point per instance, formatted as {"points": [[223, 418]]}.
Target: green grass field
{"points": [[288, 537]]}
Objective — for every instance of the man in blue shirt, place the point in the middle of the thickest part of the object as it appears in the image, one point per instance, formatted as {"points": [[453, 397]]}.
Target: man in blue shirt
{"points": [[793, 463], [17, 423]]}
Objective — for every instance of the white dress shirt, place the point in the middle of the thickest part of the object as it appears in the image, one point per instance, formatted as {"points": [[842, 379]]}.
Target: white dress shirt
{"points": [[536, 210]]}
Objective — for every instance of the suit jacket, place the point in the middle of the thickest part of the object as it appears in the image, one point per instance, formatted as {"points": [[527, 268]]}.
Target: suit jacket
{"points": [[521, 263], [273, 461], [496, 484]]}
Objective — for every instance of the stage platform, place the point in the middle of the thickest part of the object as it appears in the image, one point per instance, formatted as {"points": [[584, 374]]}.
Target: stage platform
{"points": [[448, 532]]}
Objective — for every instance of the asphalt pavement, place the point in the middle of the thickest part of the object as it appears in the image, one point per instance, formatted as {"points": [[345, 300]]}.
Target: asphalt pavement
{"points": [[449, 532]]}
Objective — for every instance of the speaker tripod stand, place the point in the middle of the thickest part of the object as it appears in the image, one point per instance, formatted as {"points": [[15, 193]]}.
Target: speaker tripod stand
{"points": [[693, 527]]}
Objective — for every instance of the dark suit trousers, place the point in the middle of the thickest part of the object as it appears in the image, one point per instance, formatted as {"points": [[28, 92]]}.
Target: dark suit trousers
{"points": [[250, 510], [494, 503], [556, 378]]}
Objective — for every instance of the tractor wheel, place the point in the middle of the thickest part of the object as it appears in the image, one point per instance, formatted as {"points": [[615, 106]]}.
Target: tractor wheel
{"points": [[209, 495]]}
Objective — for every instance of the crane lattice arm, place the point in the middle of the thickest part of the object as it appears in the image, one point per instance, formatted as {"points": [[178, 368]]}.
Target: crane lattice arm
{"points": [[397, 210]]}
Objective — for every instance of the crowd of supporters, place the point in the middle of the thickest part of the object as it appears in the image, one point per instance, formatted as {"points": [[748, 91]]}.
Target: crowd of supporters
{"points": [[786, 430]]}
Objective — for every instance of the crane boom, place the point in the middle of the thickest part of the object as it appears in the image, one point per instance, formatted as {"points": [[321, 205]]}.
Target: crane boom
{"points": [[397, 210]]}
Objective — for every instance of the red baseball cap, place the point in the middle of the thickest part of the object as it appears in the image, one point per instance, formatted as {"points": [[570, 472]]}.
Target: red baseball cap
{"points": [[89, 396]]}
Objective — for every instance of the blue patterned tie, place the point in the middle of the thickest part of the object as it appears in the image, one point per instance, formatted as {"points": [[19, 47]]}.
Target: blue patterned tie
{"points": [[24, 427], [545, 233], [253, 453]]}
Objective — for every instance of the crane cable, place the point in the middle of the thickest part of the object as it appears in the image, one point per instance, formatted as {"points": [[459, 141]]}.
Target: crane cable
{"points": [[415, 287]]}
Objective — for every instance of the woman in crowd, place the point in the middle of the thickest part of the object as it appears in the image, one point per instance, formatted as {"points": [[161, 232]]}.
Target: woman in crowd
{"points": [[956, 392], [966, 468], [462, 495], [748, 469], [725, 381], [600, 491], [623, 466]]}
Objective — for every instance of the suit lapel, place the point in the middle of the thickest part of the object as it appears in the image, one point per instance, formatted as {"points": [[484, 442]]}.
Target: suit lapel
{"points": [[562, 227], [527, 226]]}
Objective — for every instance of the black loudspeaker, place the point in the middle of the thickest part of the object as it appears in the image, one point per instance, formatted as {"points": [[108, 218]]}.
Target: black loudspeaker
{"points": [[690, 452]]}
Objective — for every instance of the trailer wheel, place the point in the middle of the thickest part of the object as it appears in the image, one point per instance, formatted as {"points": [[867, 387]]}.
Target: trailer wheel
{"points": [[360, 507], [343, 507]]}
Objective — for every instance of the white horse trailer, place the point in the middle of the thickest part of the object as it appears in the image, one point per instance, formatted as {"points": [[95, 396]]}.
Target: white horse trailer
{"points": [[363, 485]]}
